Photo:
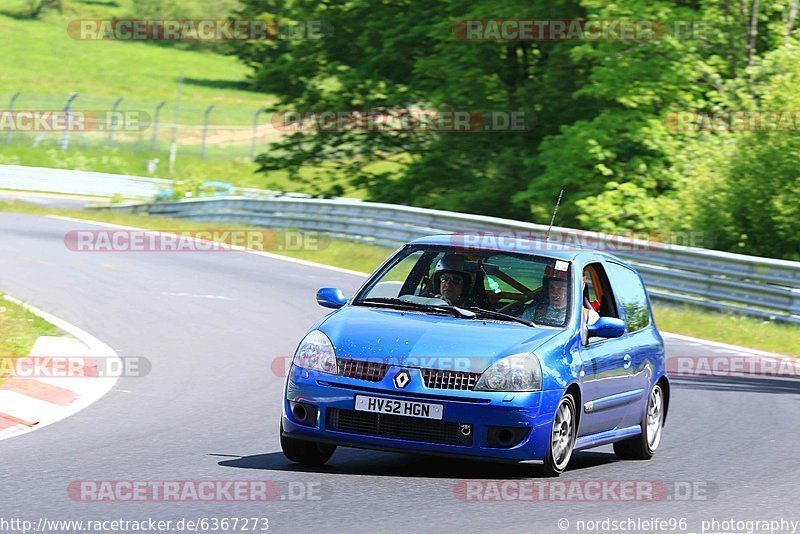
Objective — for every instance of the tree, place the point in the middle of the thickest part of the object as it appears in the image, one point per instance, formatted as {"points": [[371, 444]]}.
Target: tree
{"points": [[602, 112], [36, 8], [389, 56]]}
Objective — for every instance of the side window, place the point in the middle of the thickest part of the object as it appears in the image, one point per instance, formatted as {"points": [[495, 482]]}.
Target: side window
{"points": [[632, 295], [598, 291], [589, 292], [598, 295]]}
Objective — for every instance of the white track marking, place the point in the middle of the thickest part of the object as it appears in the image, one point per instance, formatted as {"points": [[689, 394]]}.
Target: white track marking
{"points": [[91, 390], [232, 247], [725, 346]]}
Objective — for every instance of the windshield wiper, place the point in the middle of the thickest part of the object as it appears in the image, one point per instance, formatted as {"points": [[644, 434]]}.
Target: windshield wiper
{"points": [[390, 301], [499, 315]]}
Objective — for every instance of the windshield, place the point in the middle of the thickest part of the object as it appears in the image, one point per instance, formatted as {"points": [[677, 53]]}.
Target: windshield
{"points": [[433, 278]]}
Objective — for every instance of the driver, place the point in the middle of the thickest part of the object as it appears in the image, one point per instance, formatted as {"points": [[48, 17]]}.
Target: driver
{"points": [[452, 280]]}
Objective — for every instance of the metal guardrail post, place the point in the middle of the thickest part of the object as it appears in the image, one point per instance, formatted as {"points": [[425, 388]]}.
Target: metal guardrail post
{"points": [[155, 123], [11, 112], [173, 145], [67, 111], [205, 130], [255, 133], [113, 125]]}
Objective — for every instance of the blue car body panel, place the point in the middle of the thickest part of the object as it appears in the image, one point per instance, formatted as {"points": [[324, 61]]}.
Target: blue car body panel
{"points": [[611, 378]]}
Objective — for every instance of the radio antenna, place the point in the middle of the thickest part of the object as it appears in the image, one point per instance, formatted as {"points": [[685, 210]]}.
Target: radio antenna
{"points": [[553, 218]]}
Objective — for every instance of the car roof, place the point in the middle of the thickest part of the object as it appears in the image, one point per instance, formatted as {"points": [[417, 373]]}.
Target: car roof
{"points": [[502, 242]]}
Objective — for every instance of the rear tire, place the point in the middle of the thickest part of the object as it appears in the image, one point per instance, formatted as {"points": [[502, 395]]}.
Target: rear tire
{"points": [[306, 452], [562, 438], [643, 446]]}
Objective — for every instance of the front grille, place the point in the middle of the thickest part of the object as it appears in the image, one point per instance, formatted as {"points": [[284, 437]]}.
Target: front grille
{"points": [[371, 371], [459, 380], [399, 427], [432, 378]]}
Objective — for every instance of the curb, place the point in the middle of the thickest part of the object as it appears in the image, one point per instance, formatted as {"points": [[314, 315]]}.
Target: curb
{"points": [[27, 404]]}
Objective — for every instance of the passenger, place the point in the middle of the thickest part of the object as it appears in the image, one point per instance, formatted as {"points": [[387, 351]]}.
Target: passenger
{"points": [[551, 307], [589, 308]]}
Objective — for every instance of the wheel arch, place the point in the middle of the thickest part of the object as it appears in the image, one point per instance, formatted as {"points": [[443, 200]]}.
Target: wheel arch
{"points": [[664, 383], [575, 389]]}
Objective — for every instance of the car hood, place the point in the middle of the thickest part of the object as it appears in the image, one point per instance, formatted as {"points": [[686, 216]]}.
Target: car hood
{"points": [[415, 339]]}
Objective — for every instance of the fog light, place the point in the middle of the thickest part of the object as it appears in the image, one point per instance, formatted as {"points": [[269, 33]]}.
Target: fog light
{"points": [[505, 437], [304, 414]]}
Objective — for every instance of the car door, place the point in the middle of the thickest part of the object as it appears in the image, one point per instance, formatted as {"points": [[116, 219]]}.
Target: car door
{"points": [[640, 341], [604, 370]]}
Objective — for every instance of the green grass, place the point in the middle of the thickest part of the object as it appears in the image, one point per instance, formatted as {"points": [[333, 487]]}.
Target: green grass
{"points": [[20, 329], [123, 160], [239, 171], [730, 328], [691, 321], [45, 64]]}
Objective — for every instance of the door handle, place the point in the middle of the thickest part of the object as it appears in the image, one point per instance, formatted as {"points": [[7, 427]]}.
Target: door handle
{"points": [[627, 360]]}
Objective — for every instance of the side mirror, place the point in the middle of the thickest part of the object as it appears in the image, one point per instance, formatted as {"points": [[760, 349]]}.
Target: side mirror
{"points": [[331, 297], [606, 327]]}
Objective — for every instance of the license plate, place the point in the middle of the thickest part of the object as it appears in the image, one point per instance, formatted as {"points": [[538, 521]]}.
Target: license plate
{"points": [[399, 407]]}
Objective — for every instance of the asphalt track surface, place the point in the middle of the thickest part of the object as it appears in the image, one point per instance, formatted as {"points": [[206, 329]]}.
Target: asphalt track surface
{"points": [[211, 324], [50, 200]]}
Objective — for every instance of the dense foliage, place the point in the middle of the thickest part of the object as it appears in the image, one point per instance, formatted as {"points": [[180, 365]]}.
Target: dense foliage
{"points": [[604, 128]]}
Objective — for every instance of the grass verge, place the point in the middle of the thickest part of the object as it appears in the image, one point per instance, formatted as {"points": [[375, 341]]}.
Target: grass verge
{"points": [[735, 329], [45, 64], [687, 320], [222, 165], [19, 330]]}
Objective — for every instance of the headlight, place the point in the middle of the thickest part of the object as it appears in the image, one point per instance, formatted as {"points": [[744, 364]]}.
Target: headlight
{"points": [[316, 352], [520, 372]]}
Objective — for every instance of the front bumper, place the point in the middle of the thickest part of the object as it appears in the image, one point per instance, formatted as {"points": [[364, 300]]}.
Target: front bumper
{"points": [[480, 411]]}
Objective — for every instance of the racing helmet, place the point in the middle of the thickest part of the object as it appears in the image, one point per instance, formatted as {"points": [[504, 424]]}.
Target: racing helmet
{"points": [[453, 263], [551, 274]]}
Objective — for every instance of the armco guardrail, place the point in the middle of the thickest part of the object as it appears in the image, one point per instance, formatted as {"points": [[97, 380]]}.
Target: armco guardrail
{"points": [[751, 285]]}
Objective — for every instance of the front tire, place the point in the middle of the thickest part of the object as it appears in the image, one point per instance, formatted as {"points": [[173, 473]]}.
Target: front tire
{"points": [[562, 438], [306, 452], [644, 445]]}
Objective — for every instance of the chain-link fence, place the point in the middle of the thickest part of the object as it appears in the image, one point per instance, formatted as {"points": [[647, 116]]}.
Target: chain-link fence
{"points": [[161, 130]]}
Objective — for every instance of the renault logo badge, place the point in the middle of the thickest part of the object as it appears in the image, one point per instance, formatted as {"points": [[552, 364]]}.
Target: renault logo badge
{"points": [[401, 379]]}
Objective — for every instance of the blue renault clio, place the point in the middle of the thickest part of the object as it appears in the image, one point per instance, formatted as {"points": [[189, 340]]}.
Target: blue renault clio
{"points": [[504, 349]]}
